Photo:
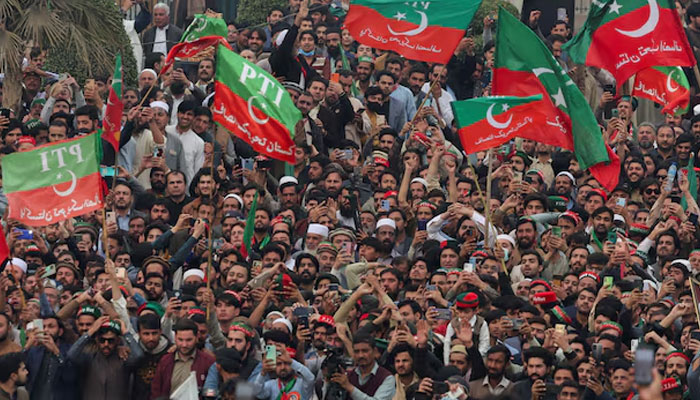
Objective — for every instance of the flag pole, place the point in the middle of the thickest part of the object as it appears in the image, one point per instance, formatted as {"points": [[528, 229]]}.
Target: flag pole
{"points": [[693, 284], [487, 206], [483, 200], [211, 229], [422, 103], [697, 79]]}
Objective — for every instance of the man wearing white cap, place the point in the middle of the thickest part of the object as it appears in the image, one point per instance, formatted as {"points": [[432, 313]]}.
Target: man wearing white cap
{"points": [[386, 233], [18, 268], [418, 187], [147, 140], [192, 277], [288, 195], [315, 234]]}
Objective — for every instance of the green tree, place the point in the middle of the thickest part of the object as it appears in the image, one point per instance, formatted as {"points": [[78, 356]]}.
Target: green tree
{"points": [[254, 12], [82, 37]]}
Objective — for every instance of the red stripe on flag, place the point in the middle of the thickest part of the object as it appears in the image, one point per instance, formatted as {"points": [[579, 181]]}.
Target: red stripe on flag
{"points": [[265, 134], [50, 204], [190, 49], [434, 44], [111, 125], [4, 248], [652, 84]]}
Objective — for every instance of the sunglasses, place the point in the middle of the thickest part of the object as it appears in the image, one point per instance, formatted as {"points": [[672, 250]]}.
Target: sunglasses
{"points": [[652, 191], [106, 340]]}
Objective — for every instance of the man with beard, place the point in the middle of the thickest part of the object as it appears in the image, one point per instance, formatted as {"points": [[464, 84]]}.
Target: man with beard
{"points": [[49, 377], [526, 234], [401, 92], [635, 172], [261, 227], [394, 108], [154, 284], [495, 384], [333, 182], [650, 190], [154, 346], [684, 143], [335, 111], [417, 77], [287, 192], [364, 354], [159, 211], [174, 368], [122, 204], [564, 183], [315, 234], [347, 207], [364, 70], [333, 46], [404, 359], [192, 144], [392, 284], [543, 162], [7, 344], [314, 133], [665, 139], [86, 121], [676, 366], [318, 335], [602, 223], [577, 259], [307, 267], [240, 338], [105, 374], [386, 233], [293, 379], [327, 255], [646, 136], [538, 363], [13, 374]]}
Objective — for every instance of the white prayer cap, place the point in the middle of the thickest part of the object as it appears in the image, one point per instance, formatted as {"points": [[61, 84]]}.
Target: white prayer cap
{"points": [[234, 196], [19, 263], [386, 222], [160, 104], [286, 323], [420, 180], [318, 229], [288, 179], [155, 75], [507, 238], [193, 272]]}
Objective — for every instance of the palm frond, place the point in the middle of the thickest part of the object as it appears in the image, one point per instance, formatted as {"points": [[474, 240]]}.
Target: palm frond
{"points": [[11, 48], [9, 8], [41, 25]]}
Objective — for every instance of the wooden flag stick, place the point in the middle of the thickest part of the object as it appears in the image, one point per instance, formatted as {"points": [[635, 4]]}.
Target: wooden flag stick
{"points": [[487, 205], [693, 285]]}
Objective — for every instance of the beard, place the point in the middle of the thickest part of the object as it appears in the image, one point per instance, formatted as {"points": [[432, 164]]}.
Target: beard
{"points": [[334, 51], [306, 277], [346, 211], [236, 286], [524, 243], [260, 229], [286, 375], [158, 186]]}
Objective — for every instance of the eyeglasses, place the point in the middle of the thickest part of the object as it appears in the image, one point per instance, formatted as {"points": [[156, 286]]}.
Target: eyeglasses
{"points": [[106, 340], [661, 177], [652, 191]]}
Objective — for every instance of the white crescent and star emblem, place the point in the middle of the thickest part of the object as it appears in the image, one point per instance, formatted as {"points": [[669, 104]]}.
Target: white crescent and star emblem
{"points": [[493, 122], [70, 190], [413, 32], [669, 78], [648, 26], [558, 98], [252, 112]]}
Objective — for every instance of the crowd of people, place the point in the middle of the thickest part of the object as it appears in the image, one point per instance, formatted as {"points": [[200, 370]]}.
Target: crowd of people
{"points": [[380, 266]]}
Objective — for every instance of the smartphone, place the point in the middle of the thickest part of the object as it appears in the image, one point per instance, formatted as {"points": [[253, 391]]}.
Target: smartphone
{"points": [[39, 324], [695, 335], [693, 218], [517, 176], [634, 344], [108, 171], [247, 163], [177, 294], [561, 328], [614, 113], [304, 321], [643, 365], [111, 217], [597, 351], [444, 314], [612, 237], [609, 89], [468, 267], [121, 272], [335, 77], [440, 388], [517, 323], [346, 247], [217, 243], [646, 286], [5, 112], [49, 271], [347, 154], [423, 224], [561, 14], [271, 353], [638, 284], [556, 231], [25, 234], [470, 231], [333, 287], [608, 282], [621, 201], [265, 164], [385, 205], [257, 264], [556, 280], [302, 311], [158, 151], [431, 288], [89, 83]]}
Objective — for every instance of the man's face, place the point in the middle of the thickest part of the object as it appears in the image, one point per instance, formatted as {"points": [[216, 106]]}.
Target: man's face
{"points": [[621, 381], [665, 246], [274, 17], [333, 183], [256, 42], [176, 185], [332, 40], [154, 288], [307, 270], [651, 194], [236, 340], [390, 284], [536, 368], [56, 133], [386, 83], [346, 83], [416, 81], [184, 120], [683, 150], [307, 43], [534, 207], [635, 171], [645, 136], [160, 212], [676, 367], [602, 223], [530, 266], [83, 122], [559, 29], [584, 302], [107, 342], [364, 70], [363, 354], [122, 197], [160, 17], [568, 393], [305, 103], [205, 185], [386, 235], [149, 338], [65, 276], [556, 49], [562, 184], [525, 235], [386, 142], [665, 138], [262, 220], [205, 71], [201, 124], [284, 370], [317, 90], [403, 364], [185, 342], [496, 364]]}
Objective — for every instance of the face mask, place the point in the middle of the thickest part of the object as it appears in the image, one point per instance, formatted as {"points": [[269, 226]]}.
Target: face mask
{"points": [[374, 106], [506, 254], [306, 53]]}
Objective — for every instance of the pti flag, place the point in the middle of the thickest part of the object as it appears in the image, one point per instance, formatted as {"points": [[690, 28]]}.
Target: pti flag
{"points": [[419, 30], [253, 105], [112, 123], [55, 181], [487, 122], [667, 86], [204, 25], [249, 228], [191, 49], [524, 66], [4, 248], [627, 36]]}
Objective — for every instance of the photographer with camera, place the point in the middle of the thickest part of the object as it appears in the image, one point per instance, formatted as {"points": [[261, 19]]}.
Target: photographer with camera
{"points": [[294, 380], [367, 381]]}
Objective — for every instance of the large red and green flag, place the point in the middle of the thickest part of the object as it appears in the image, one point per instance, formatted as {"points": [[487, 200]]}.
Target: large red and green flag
{"points": [[524, 66], [112, 123], [253, 105], [55, 181], [419, 30], [487, 122], [204, 25], [667, 86], [627, 36], [191, 49]]}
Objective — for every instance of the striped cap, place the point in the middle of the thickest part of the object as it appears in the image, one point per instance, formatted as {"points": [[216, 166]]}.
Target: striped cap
{"points": [[467, 300]]}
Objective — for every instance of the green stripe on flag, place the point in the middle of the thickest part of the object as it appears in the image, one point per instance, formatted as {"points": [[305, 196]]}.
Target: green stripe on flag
{"points": [[468, 112], [51, 164], [203, 25], [446, 13], [250, 225]]}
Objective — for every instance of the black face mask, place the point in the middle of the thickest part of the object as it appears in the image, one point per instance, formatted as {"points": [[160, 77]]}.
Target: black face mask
{"points": [[374, 106]]}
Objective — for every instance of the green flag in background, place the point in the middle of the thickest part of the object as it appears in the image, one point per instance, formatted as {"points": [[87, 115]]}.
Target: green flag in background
{"points": [[204, 25], [692, 177], [249, 228]]}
